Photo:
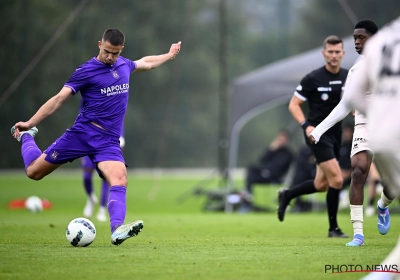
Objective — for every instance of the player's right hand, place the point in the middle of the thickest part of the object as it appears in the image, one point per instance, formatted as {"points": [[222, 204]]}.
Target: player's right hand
{"points": [[312, 139], [308, 131]]}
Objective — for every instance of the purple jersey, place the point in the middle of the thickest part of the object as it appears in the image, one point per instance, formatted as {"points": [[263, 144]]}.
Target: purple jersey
{"points": [[105, 91], [122, 129]]}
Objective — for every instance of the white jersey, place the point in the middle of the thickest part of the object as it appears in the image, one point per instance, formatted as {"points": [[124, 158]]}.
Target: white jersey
{"points": [[380, 71], [359, 118]]}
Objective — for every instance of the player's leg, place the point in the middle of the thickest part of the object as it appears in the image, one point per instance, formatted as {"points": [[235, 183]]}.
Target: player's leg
{"points": [[304, 171], [344, 202], [105, 189], [320, 183], [388, 164], [88, 168], [387, 197], [392, 261], [328, 175], [115, 174], [374, 181], [34, 160], [40, 168], [332, 172], [360, 164], [307, 187]]}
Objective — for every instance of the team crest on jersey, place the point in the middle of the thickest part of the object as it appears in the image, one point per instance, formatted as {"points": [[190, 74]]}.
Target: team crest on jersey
{"points": [[115, 74], [54, 155], [324, 96]]}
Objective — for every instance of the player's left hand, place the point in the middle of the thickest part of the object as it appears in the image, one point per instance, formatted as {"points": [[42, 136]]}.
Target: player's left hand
{"points": [[20, 126], [174, 50]]}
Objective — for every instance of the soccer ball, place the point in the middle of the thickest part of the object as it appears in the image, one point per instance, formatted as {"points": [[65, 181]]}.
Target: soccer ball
{"points": [[80, 232], [34, 204]]}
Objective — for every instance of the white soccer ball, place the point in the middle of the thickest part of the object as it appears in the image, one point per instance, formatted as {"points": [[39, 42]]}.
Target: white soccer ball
{"points": [[80, 232], [34, 204]]}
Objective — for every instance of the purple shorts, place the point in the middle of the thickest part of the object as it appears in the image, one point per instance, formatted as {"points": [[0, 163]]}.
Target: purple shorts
{"points": [[85, 139]]}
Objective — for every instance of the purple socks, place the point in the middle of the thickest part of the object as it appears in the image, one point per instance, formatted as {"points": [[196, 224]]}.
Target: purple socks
{"points": [[88, 182], [30, 151], [105, 189], [117, 206]]}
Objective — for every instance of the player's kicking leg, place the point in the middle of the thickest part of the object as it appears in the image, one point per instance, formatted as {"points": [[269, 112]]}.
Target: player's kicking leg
{"points": [[36, 167]]}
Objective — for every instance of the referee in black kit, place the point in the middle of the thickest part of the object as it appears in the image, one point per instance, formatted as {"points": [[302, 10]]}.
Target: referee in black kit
{"points": [[322, 88]]}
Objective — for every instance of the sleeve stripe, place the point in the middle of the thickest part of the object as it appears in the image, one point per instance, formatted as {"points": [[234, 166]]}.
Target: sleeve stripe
{"points": [[300, 96]]}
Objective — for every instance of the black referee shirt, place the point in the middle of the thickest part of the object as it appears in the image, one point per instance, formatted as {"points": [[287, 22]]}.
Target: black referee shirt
{"points": [[322, 90]]}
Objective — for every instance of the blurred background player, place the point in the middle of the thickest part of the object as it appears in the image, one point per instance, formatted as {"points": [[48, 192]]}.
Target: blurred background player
{"points": [[321, 89], [361, 153], [379, 72]]}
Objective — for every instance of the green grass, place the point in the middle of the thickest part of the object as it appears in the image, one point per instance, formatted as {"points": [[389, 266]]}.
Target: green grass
{"points": [[179, 241]]}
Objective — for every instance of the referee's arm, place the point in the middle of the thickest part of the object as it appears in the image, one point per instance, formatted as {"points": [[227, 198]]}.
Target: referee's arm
{"points": [[298, 115]]}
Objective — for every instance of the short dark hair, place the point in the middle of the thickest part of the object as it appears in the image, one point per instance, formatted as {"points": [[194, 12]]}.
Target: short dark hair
{"points": [[368, 25], [332, 40], [114, 37]]}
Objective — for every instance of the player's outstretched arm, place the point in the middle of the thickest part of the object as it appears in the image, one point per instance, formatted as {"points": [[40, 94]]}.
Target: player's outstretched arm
{"points": [[46, 110], [150, 62], [337, 114], [358, 88]]}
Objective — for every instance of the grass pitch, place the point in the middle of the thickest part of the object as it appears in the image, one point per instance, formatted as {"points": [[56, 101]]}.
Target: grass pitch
{"points": [[179, 240]]}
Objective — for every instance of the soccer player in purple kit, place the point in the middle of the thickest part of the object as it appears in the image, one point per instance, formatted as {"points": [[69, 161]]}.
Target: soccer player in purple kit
{"points": [[104, 85]]}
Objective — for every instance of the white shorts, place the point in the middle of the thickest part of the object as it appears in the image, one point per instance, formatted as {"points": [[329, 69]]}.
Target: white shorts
{"points": [[360, 142]]}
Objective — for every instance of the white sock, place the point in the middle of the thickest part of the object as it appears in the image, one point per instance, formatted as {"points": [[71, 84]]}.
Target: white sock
{"points": [[384, 202], [93, 197], [89, 207], [102, 210], [357, 218]]}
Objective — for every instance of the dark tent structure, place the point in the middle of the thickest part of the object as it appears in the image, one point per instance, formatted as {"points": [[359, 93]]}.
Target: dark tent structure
{"points": [[271, 86]]}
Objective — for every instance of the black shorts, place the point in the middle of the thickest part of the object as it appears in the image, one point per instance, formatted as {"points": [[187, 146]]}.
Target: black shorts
{"points": [[328, 146]]}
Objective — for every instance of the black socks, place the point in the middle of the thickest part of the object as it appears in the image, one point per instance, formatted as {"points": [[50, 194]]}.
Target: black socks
{"points": [[332, 202], [307, 187]]}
